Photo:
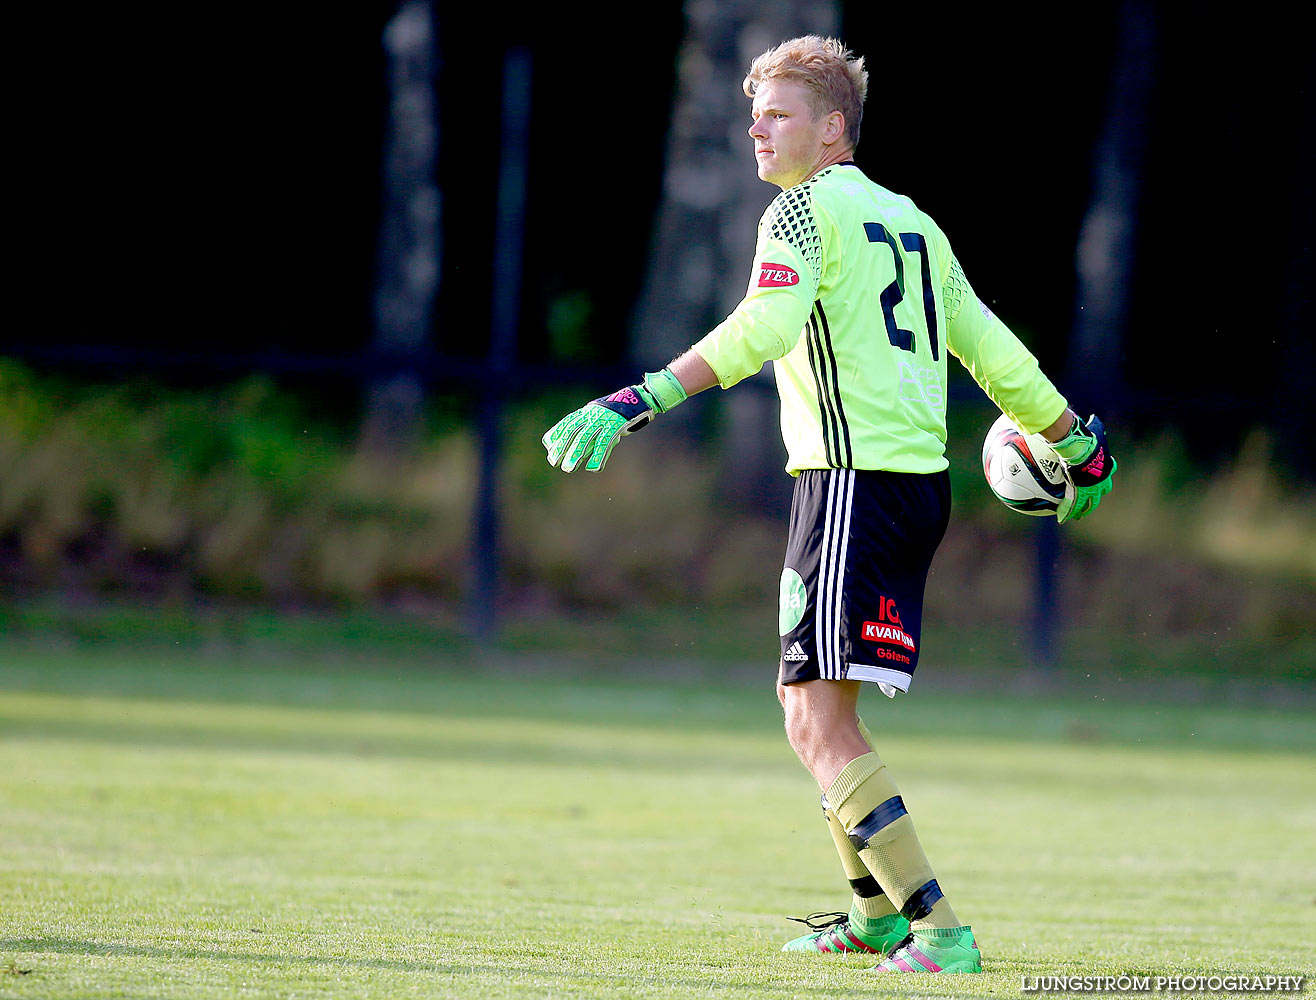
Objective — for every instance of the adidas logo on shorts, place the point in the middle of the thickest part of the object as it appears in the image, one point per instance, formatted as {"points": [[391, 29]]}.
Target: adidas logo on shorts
{"points": [[795, 654]]}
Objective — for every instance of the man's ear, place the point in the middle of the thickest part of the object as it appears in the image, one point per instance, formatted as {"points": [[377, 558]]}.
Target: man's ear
{"points": [[834, 129]]}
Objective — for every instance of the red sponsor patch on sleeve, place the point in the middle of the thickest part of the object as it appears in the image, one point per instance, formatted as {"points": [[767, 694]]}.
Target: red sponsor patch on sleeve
{"points": [[777, 276]]}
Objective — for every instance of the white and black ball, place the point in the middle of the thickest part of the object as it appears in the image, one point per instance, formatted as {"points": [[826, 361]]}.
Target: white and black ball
{"points": [[1024, 471]]}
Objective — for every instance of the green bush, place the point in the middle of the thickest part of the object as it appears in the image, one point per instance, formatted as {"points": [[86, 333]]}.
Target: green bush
{"points": [[232, 492], [245, 493]]}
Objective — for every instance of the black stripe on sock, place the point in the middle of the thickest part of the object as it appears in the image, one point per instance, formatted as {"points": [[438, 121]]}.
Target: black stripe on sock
{"points": [[884, 815], [866, 887], [921, 903]]}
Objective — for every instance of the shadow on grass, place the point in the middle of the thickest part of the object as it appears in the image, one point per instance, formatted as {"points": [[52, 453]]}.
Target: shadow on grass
{"points": [[453, 970], [68, 946], [490, 749]]}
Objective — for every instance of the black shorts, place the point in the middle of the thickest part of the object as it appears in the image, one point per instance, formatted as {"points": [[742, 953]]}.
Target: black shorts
{"points": [[857, 561]]}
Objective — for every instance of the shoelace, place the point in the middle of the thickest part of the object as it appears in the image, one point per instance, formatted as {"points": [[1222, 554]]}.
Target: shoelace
{"points": [[821, 921]]}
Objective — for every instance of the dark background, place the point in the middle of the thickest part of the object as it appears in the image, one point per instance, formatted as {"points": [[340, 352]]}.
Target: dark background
{"points": [[206, 183]]}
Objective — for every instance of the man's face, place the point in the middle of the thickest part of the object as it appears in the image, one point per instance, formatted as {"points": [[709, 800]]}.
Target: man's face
{"points": [[789, 144]]}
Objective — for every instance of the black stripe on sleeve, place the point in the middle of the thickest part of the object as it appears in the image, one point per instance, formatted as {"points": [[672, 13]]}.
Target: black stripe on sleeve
{"points": [[836, 385], [828, 421]]}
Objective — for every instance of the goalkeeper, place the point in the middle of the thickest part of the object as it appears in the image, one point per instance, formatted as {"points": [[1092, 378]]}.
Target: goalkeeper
{"points": [[857, 298]]}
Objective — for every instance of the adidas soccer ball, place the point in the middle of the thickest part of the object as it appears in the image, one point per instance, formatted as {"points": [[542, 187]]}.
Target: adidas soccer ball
{"points": [[1024, 471]]}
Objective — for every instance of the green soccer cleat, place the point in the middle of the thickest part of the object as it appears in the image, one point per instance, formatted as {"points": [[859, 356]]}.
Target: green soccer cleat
{"points": [[950, 950], [840, 933]]}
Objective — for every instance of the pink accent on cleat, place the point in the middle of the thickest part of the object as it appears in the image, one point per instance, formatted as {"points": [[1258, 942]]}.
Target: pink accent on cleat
{"points": [[856, 943], [902, 965], [923, 959]]}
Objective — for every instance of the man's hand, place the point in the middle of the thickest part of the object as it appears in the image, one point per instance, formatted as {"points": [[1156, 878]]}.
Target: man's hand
{"points": [[589, 434], [1091, 467]]}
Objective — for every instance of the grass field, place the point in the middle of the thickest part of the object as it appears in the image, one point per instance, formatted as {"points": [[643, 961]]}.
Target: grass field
{"points": [[193, 825]]}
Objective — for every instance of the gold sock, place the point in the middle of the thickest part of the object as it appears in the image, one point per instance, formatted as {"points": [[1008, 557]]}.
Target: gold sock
{"points": [[869, 899], [869, 807]]}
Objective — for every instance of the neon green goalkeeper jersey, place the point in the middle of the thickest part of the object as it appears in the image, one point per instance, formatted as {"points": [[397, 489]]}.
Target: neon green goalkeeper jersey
{"points": [[856, 296]]}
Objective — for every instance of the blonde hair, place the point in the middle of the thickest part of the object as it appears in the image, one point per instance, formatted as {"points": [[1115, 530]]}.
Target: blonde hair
{"points": [[834, 77]]}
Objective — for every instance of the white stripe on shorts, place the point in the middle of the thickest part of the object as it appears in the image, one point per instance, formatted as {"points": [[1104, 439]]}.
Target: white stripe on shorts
{"points": [[831, 574]]}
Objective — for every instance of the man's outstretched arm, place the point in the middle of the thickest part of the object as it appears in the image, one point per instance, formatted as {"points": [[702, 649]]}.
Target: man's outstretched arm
{"points": [[1010, 376], [588, 435]]}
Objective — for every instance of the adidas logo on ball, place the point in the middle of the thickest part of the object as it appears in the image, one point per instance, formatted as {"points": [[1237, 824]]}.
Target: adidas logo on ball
{"points": [[1023, 470]]}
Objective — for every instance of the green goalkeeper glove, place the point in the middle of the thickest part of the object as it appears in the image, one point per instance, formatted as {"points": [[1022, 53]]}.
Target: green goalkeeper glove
{"points": [[1091, 467], [589, 434]]}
